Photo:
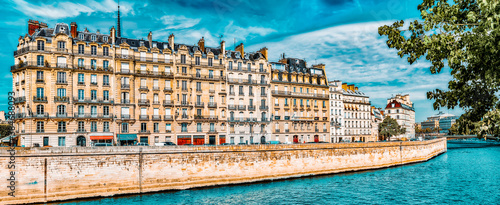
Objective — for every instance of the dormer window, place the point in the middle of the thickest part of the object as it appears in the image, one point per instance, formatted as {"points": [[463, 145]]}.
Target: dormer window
{"points": [[92, 38], [105, 39], [81, 36]]}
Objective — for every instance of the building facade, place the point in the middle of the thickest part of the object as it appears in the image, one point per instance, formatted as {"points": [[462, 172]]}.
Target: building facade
{"points": [[77, 88], [300, 99], [357, 115], [377, 117], [337, 125], [402, 110], [249, 97]]}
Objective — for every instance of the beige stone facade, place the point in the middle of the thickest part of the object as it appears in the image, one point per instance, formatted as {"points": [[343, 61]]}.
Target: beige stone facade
{"points": [[357, 115], [402, 110], [300, 99]]}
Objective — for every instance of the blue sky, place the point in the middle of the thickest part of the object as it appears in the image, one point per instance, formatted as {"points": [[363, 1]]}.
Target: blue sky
{"points": [[339, 33]]}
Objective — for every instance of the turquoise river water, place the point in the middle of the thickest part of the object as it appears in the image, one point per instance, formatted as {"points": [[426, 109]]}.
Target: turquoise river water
{"points": [[460, 176]]}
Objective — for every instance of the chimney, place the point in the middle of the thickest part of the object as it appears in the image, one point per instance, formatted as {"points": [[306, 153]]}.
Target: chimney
{"points": [[344, 86], [241, 49], [201, 44], [73, 29], [171, 42], [320, 66], [264, 52], [112, 33], [356, 88], [351, 87], [34, 25], [150, 39], [222, 48]]}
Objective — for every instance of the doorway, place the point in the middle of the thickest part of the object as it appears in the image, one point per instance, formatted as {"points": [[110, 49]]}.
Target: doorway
{"points": [[81, 141]]}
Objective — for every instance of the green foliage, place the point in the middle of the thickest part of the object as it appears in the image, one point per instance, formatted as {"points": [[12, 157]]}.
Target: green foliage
{"points": [[5, 130], [390, 127], [465, 35], [490, 124]]}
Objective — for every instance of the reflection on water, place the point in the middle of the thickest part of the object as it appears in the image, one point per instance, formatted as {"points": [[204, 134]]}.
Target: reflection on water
{"points": [[463, 176]]}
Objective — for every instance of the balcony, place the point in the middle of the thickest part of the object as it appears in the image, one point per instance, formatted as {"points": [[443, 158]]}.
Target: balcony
{"points": [[231, 92], [231, 107], [125, 101], [156, 102], [325, 118], [40, 130], [277, 117], [61, 99], [212, 104], [185, 103], [156, 88], [124, 72], [263, 94], [156, 117], [93, 68], [168, 117], [277, 130], [287, 130], [143, 102], [299, 94], [212, 131], [125, 117], [211, 91], [20, 99], [143, 117], [167, 89], [61, 115], [93, 116], [61, 82], [325, 130], [168, 103], [287, 117], [40, 99], [80, 130], [61, 130], [199, 104], [144, 131], [40, 115], [143, 88], [125, 86], [242, 107], [263, 107], [124, 56], [251, 108], [77, 100]]}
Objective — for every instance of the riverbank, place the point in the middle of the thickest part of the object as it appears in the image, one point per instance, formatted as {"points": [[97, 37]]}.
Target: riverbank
{"points": [[46, 175]]}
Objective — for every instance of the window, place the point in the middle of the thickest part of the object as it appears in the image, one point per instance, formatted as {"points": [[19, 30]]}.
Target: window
{"points": [[61, 77], [40, 127], [105, 126], [61, 142], [81, 49], [81, 78], [198, 86], [39, 93], [105, 39], [105, 80], [93, 95], [105, 50], [184, 70], [61, 92], [93, 126], [230, 65], [93, 111], [124, 127], [239, 65], [105, 95], [105, 64], [184, 127], [39, 76], [183, 59], [81, 110], [93, 79], [105, 110], [81, 36], [39, 60], [93, 64], [198, 127], [156, 128], [184, 85], [168, 128], [61, 44], [40, 45], [81, 63], [39, 109], [92, 38], [197, 60], [249, 67], [143, 127], [210, 62], [61, 127]]}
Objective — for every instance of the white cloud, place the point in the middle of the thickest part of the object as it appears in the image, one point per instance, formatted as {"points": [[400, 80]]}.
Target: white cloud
{"points": [[69, 9], [239, 33], [179, 22]]}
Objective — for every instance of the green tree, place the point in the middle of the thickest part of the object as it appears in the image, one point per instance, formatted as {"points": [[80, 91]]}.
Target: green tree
{"points": [[5, 130], [465, 36], [453, 129], [390, 127]]}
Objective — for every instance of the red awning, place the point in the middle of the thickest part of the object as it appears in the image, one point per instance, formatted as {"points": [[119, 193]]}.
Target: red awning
{"points": [[101, 137]]}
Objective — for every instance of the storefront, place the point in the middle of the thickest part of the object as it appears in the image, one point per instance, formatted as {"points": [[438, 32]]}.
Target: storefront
{"points": [[126, 139], [198, 140], [183, 139], [222, 139], [101, 138]]}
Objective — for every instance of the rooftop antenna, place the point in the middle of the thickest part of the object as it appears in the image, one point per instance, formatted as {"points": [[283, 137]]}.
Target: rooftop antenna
{"points": [[119, 34]]}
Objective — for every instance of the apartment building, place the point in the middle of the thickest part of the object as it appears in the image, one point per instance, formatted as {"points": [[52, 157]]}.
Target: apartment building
{"points": [[248, 97], [300, 99], [402, 110], [337, 125], [76, 87], [357, 115], [377, 116]]}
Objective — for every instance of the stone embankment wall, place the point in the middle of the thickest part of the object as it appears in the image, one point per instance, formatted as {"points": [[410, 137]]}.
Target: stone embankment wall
{"points": [[52, 174]]}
